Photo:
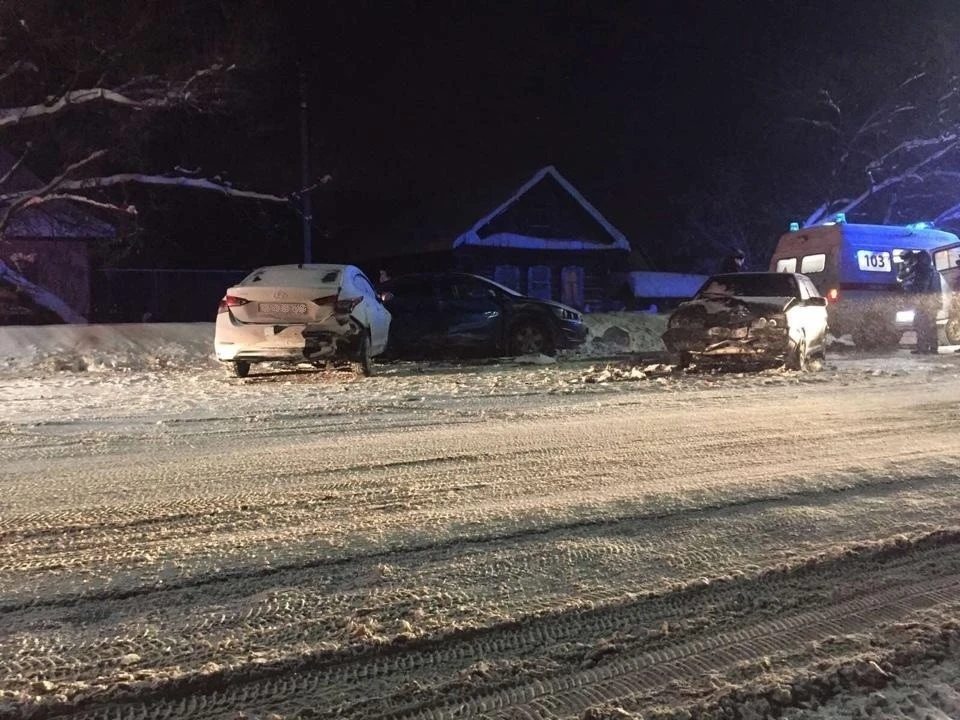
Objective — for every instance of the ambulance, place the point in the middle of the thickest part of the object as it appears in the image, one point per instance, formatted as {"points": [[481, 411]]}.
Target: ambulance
{"points": [[855, 267]]}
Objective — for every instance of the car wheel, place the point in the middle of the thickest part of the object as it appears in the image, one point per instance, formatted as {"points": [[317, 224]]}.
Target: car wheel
{"points": [[363, 361], [240, 368], [530, 338], [798, 360]]}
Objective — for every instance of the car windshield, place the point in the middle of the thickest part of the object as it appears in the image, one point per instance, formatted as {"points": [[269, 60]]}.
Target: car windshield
{"points": [[751, 285], [502, 288]]}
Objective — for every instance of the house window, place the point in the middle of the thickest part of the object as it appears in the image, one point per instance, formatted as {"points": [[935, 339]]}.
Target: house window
{"points": [[813, 263], [508, 275], [787, 265], [571, 286], [538, 282]]}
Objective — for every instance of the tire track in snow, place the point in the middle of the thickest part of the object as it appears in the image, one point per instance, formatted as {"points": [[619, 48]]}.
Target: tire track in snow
{"points": [[342, 686]]}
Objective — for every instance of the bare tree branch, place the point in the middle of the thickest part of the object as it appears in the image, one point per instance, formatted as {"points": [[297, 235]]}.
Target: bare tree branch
{"points": [[18, 200], [910, 80], [39, 295], [13, 168], [170, 181], [819, 124], [817, 215], [93, 183], [877, 125], [827, 101], [140, 94], [82, 199], [16, 67], [914, 144], [909, 173]]}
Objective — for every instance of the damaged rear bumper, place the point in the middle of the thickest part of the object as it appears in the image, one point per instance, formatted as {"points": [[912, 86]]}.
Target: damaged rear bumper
{"points": [[288, 343]]}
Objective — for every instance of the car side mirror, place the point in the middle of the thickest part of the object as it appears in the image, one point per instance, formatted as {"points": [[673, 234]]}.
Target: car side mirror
{"points": [[817, 301]]}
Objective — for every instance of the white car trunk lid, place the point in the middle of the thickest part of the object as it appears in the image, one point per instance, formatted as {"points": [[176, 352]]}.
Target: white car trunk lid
{"points": [[272, 305]]}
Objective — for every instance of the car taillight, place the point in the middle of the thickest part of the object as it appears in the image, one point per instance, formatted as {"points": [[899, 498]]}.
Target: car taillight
{"points": [[833, 295], [230, 301], [345, 306]]}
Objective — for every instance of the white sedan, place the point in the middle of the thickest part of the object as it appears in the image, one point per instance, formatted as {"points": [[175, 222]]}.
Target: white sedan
{"points": [[301, 313]]}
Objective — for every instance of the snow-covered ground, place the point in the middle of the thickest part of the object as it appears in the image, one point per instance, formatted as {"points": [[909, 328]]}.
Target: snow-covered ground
{"points": [[137, 346], [597, 537]]}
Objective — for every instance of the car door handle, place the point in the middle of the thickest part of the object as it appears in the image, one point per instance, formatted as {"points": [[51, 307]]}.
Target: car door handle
{"points": [[491, 314]]}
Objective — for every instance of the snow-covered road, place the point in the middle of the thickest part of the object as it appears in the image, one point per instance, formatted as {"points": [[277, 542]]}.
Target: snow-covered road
{"points": [[487, 540]]}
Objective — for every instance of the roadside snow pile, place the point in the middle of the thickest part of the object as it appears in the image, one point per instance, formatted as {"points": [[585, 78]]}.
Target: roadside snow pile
{"points": [[152, 346], [123, 347], [623, 332]]}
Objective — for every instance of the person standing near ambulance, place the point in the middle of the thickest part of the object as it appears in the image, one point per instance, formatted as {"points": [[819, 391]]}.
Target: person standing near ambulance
{"points": [[919, 278]]}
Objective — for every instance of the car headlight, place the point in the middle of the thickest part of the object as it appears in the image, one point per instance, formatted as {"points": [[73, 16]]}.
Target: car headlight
{"points": [[567, 314], [774, 321]]}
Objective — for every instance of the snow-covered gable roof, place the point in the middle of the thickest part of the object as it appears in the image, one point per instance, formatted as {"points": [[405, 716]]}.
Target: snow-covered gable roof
{"points": [[472, 236], [55, 219]]}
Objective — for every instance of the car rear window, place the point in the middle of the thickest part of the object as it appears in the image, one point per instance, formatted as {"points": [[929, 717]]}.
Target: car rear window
{"points": [[292, 276]]}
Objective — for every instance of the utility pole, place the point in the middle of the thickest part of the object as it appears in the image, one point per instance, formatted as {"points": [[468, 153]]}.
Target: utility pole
{"points": [[305, 169]]}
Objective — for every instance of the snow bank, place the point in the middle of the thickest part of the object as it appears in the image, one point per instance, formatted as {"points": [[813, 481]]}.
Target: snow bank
{"points": [[626, 332], [144, 346], [134, 346]]}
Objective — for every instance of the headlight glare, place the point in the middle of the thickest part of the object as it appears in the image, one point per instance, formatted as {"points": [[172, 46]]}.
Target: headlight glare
{"points": [[566, 314]]}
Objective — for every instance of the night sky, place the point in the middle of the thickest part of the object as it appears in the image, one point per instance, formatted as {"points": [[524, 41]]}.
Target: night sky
{"points": [[643, 106], [631, 103]]}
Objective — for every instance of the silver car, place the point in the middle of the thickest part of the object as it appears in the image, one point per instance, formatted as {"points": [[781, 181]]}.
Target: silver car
{"points": [[762, 317]]}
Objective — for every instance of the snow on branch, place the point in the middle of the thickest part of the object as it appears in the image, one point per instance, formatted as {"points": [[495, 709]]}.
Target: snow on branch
{"points": [[910, 173], [194, 183], [817, 215], [40, 295], [106, 181], [949, 214], [17, 201], [819, 124], [913, 144], [12, 116], [16, 67], [13, 168], [138, 94], [81, 199]]}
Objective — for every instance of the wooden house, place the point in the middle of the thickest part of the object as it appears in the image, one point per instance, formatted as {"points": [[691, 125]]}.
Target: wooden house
{"points": [[48, 245], [543, 239]]}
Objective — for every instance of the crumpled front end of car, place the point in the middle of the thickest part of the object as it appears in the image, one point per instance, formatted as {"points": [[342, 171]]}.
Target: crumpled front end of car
{"points": [[759, 339]]}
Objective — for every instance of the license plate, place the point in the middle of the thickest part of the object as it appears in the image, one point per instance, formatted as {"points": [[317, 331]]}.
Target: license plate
{"points": [[874, 261], [272, 308]]}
